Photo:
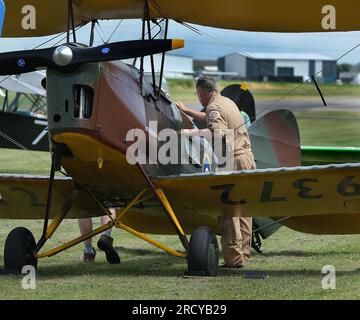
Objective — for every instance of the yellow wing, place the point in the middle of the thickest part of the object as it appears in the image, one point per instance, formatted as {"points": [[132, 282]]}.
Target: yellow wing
{"points": [[319, 199], [254, 15], [301, 192], [24, 197], [298, 191]]}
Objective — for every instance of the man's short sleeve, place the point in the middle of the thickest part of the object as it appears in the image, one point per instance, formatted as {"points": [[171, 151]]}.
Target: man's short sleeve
{"points": [[215, 118]]}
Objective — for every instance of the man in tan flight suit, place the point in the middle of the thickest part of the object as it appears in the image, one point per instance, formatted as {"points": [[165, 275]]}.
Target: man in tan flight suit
{"points": [[222, 114]]}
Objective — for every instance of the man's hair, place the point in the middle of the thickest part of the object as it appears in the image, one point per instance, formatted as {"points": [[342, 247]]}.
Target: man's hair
{"points": [[206, 83]]}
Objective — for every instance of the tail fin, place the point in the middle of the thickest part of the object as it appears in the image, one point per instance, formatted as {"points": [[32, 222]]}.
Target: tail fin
{"points": [[275, 140]]}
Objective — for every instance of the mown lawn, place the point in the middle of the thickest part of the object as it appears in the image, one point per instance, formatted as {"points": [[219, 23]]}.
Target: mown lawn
{"points": [[291, 260], [184, 90], [335, 128]]}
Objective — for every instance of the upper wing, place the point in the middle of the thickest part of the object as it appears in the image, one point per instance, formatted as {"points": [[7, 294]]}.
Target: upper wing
{"points": [[24, 197], [297, 191], [318, 155], [256, 15]]}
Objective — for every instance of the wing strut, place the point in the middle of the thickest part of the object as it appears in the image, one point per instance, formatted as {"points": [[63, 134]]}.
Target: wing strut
{"points": [[319, 91], [160, 196], [70, 22], [147, 19], [163, 59], [48, 231], [43, 238], [138, 199]]}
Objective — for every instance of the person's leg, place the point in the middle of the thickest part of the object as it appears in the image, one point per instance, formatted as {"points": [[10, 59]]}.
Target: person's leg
{"points": [[236, 232], [246, 162], [231, 241], [246, 222], [246, 233], [86, 226], [105, 242], [105, 219]]}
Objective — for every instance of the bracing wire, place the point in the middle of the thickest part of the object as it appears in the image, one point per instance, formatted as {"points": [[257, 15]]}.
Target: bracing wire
{"points": [[248, 55], [225, 45]]}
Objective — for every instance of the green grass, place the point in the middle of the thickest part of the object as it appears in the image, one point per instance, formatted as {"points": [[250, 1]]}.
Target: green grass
{"points": [[25, 162], [331, 128], [184, 90], [293, 261]]}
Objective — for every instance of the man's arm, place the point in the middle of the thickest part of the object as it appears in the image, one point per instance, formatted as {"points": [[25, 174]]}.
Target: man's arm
{"points": [[200, 116]]}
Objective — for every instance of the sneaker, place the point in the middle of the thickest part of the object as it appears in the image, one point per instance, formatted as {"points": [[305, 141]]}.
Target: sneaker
{"points": [[105, 244], [89, 257]]}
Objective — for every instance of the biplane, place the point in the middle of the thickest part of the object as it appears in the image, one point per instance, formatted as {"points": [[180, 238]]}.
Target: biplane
{"points": [[23, 119], [94, 99]]}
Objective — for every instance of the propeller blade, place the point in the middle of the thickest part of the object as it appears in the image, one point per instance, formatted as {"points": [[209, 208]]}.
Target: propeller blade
{"points": [[125, 50], [24, 61], [70, 55]]}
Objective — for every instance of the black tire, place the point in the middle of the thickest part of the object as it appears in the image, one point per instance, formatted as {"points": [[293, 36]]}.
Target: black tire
{"points": [[203, 257], [19, 250]]}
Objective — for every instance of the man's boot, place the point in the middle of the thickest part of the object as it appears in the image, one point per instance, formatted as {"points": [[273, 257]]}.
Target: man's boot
{"points": [[105, 244]]}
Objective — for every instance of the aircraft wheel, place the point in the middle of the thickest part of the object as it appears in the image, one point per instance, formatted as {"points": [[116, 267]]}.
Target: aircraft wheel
{"points": [[203, 257], [19, 250]]}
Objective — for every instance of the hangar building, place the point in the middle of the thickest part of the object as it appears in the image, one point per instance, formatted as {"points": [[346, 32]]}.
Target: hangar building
{"points": [[279, 66]]}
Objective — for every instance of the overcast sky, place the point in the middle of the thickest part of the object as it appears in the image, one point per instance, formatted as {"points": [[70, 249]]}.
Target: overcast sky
{"points": [[213, 42]]}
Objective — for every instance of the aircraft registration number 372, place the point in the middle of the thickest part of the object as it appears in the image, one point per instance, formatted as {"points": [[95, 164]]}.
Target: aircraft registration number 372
{"points": [[304, 189]]}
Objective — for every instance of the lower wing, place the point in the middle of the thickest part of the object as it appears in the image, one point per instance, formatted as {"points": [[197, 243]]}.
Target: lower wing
{"points": [[297, 191], [24, 197]]}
